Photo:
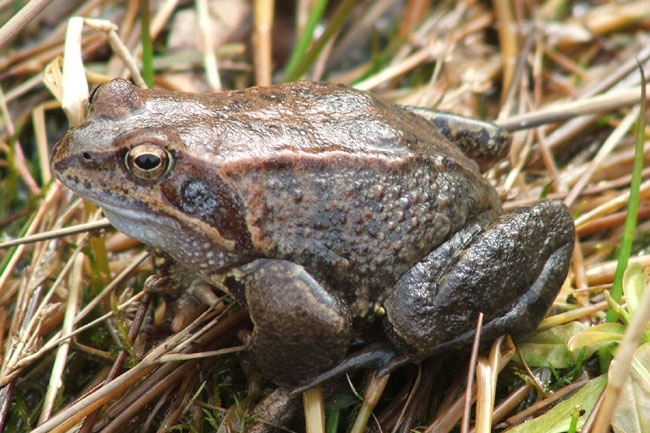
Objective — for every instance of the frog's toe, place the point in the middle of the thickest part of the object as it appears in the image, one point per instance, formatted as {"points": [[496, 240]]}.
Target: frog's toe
{"points": [[484, 142], [511, 271], [375, 356]]}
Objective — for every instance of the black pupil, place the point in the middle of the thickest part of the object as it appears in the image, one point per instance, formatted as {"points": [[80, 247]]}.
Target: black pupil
{"points": [[148, 161]]}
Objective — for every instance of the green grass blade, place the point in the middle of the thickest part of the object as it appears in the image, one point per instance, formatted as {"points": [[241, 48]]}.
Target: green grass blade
{"points": [[305, 38], [633, 205], [339, 18]]}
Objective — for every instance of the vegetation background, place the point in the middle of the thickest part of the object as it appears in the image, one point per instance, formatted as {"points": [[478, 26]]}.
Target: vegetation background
{"points": [[82, 343]]}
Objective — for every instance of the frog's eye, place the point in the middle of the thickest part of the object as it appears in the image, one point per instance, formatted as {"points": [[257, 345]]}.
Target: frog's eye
{"points": [[148, 161]]}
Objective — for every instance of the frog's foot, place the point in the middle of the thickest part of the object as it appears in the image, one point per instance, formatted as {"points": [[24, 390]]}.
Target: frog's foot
{"points": [[484, 142], [511, 270], [300, 329], [375, 356]]}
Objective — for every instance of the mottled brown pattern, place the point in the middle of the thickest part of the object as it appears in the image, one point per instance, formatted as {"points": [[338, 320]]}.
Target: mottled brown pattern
{"points": [[359, 223]]}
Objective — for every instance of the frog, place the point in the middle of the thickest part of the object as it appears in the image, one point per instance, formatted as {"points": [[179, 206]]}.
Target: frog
{"points": [[339, 220]]}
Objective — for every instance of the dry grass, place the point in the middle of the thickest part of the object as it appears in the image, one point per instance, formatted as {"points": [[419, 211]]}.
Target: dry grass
{"points": [[83, 343]]}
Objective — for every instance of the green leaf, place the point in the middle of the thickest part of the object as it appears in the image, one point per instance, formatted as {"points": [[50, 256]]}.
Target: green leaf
{"points": [[632, 413], [548, 348], [633, 285], [559, 418], [596, 337], [617, 308]]}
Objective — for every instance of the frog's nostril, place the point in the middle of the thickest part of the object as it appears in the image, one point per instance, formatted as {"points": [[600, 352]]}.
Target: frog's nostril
{"points": [[86, 156]]}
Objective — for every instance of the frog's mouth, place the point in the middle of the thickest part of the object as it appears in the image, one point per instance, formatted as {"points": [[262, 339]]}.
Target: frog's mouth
{"points": [[129, 215], [166, 233], [144, 226]]}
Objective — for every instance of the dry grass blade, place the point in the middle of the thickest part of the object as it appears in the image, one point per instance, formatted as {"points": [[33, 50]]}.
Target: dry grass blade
{"points": [[558, 112], [262, 41], [416, 59], [471, 371], [608, 146], [450, 415], [69, 416], [26, 326], [17, 22], [58, 233], [371, 397], [209, 59], [548, 401], [20, 161], [484, 400], [119, 48], [314, 410], [610, 206], [75, 88], [509, 43], [62, 352]]}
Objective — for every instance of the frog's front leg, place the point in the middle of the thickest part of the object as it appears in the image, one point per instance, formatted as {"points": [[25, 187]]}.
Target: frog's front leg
{"points": [[300, 328], [511, 269]]}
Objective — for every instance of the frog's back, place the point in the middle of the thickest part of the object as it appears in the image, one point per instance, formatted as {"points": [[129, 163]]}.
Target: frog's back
{"points": [[310, 117], [354, 189]]}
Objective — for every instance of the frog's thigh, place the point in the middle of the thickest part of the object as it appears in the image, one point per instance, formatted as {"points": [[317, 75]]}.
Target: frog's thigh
{"points": [[300, 329], [511, 271]]}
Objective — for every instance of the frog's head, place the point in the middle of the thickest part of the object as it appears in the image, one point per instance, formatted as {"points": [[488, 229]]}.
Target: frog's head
{"points": [[128, 158]]}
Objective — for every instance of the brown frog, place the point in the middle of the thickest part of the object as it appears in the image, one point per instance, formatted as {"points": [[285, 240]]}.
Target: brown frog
{"points": [[327, 212]]}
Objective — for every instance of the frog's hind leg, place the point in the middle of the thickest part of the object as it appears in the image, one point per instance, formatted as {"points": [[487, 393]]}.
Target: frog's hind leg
{"points": [[484, 142], [511, 270], [300, 328]]}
